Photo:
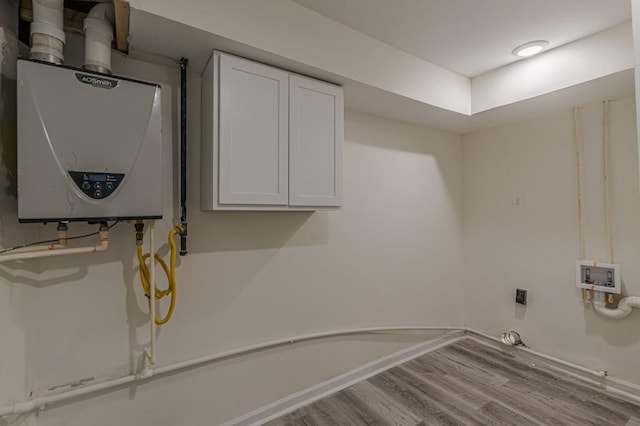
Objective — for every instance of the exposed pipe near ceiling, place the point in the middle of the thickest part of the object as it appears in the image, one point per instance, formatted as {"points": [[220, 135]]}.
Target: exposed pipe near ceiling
{"points": [[47, 34], [98, 34]]}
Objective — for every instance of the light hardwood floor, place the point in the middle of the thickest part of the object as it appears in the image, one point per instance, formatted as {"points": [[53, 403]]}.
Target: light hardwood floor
{"points": [[467, 383]]}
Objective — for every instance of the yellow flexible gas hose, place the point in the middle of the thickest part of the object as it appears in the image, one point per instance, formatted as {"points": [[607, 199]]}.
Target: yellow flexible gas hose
{"points": [[170, 271]]}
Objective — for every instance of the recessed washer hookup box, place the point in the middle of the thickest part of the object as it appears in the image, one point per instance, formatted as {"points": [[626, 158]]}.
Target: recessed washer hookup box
{"points": [[598, 276]]}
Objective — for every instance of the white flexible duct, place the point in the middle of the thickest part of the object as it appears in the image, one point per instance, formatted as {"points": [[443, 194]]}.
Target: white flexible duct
{"points": [[47, 34], [624, 309], [98, 34]]}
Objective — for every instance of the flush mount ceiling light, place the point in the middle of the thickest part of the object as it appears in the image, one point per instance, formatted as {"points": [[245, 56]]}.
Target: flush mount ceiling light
{"points": [[530, 49]]}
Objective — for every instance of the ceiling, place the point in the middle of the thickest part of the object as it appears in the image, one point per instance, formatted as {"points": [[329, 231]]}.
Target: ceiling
{"points": [[379, 78], [471, 37]]}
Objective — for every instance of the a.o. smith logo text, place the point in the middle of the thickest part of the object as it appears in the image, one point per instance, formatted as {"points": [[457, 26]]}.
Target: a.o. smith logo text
{"points": [[104, 83]]}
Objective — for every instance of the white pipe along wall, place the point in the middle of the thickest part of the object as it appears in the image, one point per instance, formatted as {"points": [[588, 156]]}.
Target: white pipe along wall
{"points": [[148, 373], [58, 249], [62, 243]]}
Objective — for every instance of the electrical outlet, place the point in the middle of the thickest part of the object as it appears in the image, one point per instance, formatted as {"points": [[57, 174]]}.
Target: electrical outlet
{"points": [[521, 296]]}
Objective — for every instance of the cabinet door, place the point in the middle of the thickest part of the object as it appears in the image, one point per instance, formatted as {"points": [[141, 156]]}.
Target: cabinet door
{"points": [[253, 147], [316, 118]]}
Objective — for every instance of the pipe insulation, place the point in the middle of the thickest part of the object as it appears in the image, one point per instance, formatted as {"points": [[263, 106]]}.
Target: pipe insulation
{"points": [[624, 309], [98, 35], [47, 34]]}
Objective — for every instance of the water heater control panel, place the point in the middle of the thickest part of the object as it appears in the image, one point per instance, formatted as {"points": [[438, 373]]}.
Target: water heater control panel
{"points": [[97, 185]]}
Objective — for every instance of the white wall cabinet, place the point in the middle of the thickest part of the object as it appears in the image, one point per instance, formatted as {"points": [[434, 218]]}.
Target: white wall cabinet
{"points": [[316, 117], [271, 140], [254, 104]]}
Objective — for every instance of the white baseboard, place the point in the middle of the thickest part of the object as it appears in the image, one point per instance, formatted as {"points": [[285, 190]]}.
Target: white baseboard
{"points": [[614, 385], [620, 388], [307, 396], [623, 389]]}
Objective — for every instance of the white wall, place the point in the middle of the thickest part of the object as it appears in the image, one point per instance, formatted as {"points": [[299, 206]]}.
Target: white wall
{"points": [[391, 255], [534, 245]]}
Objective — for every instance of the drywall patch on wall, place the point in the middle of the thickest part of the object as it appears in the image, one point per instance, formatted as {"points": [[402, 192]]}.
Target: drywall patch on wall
{"points": [[533, 243]]}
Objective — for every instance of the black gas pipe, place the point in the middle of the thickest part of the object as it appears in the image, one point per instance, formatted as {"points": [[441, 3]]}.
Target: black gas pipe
{"points": [[184, 62]]}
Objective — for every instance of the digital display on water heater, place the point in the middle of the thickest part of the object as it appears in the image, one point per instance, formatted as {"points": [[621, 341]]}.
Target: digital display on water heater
{"points": [[98, 178]]}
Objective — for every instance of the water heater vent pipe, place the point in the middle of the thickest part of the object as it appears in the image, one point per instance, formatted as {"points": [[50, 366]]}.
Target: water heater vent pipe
{"points": [[98, 34], [47, 34]]}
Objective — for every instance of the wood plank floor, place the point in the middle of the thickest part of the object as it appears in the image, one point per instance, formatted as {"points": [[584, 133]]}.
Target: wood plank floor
{"points": [[467, 383]]}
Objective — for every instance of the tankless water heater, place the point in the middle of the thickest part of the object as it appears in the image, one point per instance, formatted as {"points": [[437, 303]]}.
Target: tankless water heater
{"points": [[89, 145]]}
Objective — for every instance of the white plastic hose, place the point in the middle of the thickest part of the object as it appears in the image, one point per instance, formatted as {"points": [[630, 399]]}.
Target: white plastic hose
{"points": [[47, 34], [624, 309], [98, 34]]}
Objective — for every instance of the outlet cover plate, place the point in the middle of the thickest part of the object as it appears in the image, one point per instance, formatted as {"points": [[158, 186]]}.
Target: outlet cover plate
{"points": [[521, 296]]}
